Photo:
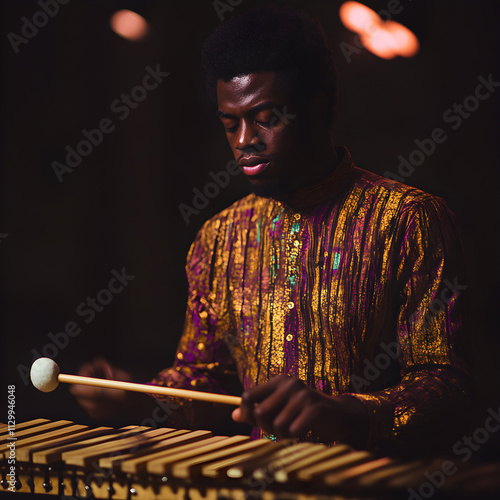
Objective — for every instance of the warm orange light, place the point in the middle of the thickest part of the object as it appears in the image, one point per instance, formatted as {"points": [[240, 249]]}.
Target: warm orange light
{"points": [[385, 39], [381, 44], [129, 25], [405, 41], [358, 17]]}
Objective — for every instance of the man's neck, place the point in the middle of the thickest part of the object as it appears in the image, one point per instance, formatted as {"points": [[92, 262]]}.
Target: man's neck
{"points": [[326, 186], [320, 166]]}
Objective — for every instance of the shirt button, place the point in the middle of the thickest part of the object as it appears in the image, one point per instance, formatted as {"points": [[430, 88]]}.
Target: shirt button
{"points": [[296, 243], [201, 346], [180, 356], [203, 314], [289, 337], [297, 216], [290, 305]]}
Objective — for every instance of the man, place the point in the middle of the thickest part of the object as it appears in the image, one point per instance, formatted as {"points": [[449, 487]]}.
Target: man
{"points": [[332, 294]]}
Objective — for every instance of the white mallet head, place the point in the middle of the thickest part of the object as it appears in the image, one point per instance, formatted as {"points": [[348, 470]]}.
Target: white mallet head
{"points": [[44, 372]]}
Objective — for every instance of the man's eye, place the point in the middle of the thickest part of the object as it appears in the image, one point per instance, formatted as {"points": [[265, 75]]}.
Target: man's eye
{"points": [[267, 123], [231, 129]]}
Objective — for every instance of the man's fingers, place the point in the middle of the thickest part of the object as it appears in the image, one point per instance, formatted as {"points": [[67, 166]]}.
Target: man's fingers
{"points": [[284, 420], [252, 396], [256, 395], [98, 368], [88, 404], [98, 394], [84, 391], [261, 391], [246, 409], [306, 420], [102, 366], [87, 370], [266, 411], [261, 404]]}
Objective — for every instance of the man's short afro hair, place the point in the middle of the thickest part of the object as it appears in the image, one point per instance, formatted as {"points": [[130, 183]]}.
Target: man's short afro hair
{"points": [[272, 38]]}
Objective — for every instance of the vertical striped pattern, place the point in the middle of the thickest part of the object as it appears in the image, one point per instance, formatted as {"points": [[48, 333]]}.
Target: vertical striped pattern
{"points": [[357, 288]]}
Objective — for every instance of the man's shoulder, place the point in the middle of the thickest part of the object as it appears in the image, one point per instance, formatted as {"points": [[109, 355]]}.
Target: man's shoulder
{"points": [[243, 209], [384, 188]]}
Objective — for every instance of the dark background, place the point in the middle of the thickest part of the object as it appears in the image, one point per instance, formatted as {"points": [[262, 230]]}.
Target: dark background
{"points": [[120, 206]]}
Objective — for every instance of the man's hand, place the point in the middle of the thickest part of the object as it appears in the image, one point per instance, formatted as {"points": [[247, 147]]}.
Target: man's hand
{"points": [[100, 403], [287, 407]]}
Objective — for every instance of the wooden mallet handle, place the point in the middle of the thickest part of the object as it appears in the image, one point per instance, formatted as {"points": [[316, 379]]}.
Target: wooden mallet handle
{"points": [[150, 389]]}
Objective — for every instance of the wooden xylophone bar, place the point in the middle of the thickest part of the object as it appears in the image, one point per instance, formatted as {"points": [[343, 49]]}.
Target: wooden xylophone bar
{"points": [[63, 458]]}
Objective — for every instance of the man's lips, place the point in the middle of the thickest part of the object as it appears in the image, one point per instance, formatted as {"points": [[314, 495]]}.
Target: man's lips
{"points": [[256, 169], [254, 165]]}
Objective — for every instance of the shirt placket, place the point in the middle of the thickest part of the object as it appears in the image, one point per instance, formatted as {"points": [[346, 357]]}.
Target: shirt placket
{"points": [[293, 257]]}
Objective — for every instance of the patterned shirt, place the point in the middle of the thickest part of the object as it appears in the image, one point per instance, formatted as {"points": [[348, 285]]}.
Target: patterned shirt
{"points": [[355, 287]]}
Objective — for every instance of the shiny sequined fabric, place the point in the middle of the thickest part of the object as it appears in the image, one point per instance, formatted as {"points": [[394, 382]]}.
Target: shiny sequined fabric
{"points": [[354, 287]]}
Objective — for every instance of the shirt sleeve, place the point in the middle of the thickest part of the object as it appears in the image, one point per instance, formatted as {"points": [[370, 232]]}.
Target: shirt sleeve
{"points": [[435, 392], [203, 359]]}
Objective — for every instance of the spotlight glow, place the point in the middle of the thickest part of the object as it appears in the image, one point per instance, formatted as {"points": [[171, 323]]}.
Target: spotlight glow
{"points": [[385, 39], [129, 25], [358, 17], [405, 41]]}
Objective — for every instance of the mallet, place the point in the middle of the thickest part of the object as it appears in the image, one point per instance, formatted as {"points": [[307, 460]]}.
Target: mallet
{"points": [[45, 376]]}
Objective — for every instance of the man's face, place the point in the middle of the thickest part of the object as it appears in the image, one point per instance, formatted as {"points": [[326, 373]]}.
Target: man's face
{"points": [[264, 131]]}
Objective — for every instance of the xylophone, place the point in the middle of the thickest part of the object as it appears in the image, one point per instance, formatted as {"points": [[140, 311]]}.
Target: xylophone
{"points": [[63, 458]]}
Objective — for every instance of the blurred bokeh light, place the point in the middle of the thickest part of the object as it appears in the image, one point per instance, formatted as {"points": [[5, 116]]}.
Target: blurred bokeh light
{"points": [[385, 39], [129, 25]]}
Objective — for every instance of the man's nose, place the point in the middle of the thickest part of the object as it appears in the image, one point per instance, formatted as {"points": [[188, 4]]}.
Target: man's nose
{"points": [[248, 139]]}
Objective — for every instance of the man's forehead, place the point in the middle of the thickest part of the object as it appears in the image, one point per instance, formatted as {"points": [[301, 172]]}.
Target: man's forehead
{"points": [[246, 90]]}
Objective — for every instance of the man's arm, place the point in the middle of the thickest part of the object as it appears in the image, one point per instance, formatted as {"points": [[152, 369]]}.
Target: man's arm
{"points": [[434, 397]]}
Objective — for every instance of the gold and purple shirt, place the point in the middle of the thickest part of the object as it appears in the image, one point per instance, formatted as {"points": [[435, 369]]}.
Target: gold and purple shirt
{"points": [[355, 287]]}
